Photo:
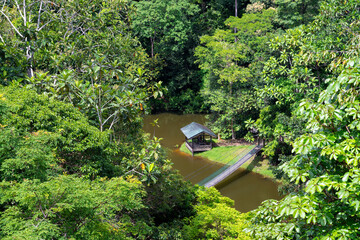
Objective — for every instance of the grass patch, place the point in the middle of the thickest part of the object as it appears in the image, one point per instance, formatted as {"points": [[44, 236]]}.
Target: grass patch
{"points": [[230, 154], [225, 155], [259, 165]]}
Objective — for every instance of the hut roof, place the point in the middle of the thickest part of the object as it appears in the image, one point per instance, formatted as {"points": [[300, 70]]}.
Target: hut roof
{"points": [[194, 129]]}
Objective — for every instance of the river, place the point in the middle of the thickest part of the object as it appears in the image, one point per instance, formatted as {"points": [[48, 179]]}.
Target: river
{"points": [[247, 189]]}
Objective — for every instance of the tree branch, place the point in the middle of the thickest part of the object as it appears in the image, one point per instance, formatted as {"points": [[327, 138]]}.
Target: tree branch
{"points": [[108, 101], [98, 112], [40, 206], [349, 132], [3, 6], [109, 117], [12, 25], [24, 8], [115, 120], [22, 16], [39, 15], [2, 40], [44, 25]]}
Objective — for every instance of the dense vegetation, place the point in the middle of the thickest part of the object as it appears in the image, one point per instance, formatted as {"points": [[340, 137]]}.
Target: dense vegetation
{"points": [[74, 162], [76, 78]]}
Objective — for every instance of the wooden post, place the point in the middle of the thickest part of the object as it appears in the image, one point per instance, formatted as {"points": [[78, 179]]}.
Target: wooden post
{"points": [[192, 147]]}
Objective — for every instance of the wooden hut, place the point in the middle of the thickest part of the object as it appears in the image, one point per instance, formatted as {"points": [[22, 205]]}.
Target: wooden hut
{"points": [[198, 138]]}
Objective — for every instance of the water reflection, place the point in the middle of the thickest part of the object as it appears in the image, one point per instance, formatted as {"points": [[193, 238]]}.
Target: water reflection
{"points": [[246, 188]]}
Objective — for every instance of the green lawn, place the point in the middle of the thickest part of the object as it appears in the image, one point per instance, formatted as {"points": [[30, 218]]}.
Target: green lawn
{"points": [[230, 154], [226, 155]]}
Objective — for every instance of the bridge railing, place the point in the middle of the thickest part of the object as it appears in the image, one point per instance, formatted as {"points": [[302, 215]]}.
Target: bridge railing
{"points": [[227, 170]]}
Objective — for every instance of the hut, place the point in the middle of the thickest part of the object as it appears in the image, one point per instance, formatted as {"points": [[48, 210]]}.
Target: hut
{"points": [[198, 138]]}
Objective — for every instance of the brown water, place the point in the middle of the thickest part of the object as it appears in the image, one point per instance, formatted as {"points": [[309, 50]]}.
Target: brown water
{"points": [[247, 189]]}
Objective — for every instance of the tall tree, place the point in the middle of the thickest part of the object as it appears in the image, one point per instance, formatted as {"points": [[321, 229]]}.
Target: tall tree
{"points": [[324, 200], [168, 31], [84, 54], [303, 61], [25, 20], [325, 168], [294, 13], [231, 62], [289, 14]]}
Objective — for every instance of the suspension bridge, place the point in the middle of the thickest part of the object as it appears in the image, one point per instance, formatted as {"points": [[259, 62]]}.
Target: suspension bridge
{"points": [[227, 170]]}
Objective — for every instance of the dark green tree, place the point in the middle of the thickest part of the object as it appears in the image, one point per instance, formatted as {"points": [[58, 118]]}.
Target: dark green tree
{"points": [[304, 58], [231, 62], [326, 204], [69, 207]]}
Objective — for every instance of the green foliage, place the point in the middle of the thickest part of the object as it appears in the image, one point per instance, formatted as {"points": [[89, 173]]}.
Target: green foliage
{"points": [[47, 133], [63, 34], [304, 57], [81, 53], [165, 25], [186, 101], [70, 207], [289, 14], [42, 138], [60, 163], [232, 62], [326, 167], [168, 31], [11, 64], [215, 218], [107, 96], [30, 158], [171, 199], [294, 13]]}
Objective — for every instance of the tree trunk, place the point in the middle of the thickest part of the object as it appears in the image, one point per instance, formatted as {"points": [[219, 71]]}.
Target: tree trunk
{"points": [[232, 129], [232, 118], [152, 47], [236, 8], [29, 57], [235, 31], [236, 14]]}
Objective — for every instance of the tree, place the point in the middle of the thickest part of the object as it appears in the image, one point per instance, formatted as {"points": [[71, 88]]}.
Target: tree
{"points": [[57, 34], [215, 218], [289, 14], [84, 54], [231, 61], [325, 167], [303, 59], [220, 56], [42, 138], [12, 64], [25, 20], [294, 13], [167, 26], [71, 207], [168, 32]]}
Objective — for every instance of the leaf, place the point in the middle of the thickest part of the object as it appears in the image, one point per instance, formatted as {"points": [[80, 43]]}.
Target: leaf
{"points": [[338, 115], [346, 177], [151, 167]]}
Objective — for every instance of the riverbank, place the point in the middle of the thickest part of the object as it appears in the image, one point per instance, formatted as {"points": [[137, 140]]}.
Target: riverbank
{"points": [[227, 153]]}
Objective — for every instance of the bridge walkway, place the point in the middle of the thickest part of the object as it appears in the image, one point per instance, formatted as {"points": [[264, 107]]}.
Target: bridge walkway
{"points": [[224, 173]]}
